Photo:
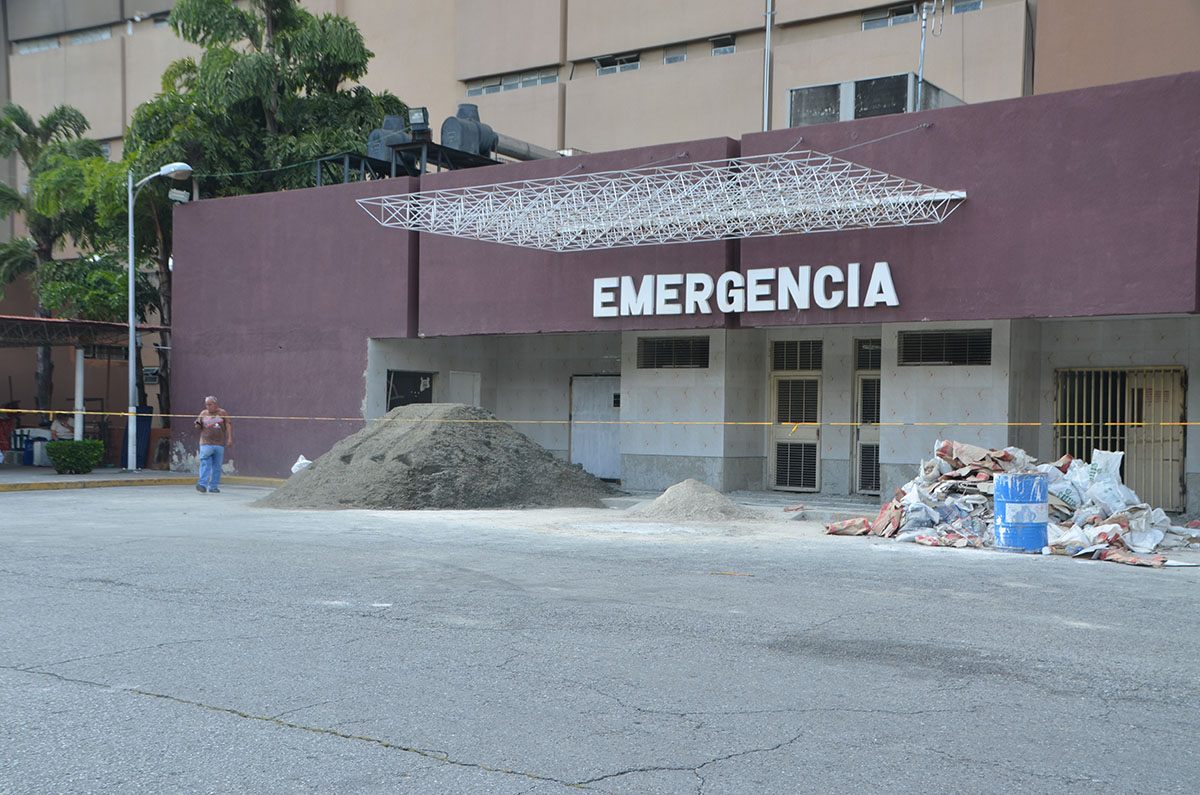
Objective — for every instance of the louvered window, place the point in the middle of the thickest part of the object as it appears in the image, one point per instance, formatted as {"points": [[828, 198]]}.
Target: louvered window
{"points": [[972, 346], [868, 354], [796, 355], [796, 465], [672, 352], [869, 400], [868, 468], [797, 400]]}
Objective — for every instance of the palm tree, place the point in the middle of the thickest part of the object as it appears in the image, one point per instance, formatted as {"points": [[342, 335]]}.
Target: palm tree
{"points": [[58, 134]]}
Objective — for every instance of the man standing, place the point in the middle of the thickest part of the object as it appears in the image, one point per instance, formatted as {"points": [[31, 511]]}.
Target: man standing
{"points": [[216, 433]]}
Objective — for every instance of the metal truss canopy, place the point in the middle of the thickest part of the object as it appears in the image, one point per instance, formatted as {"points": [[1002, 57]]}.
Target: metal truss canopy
{"points": [[778, 194]]}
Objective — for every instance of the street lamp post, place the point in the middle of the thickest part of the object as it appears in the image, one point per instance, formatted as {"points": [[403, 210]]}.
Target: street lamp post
{"points": [[174, 171]]}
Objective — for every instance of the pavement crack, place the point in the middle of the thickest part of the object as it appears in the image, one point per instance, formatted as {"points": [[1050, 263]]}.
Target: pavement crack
{"points": [[693, 769], [434, 756], [34, 667]]}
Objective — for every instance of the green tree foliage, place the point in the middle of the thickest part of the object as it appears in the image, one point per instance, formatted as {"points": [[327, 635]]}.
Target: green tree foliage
{"points": [[265, 98], [42, 145]]}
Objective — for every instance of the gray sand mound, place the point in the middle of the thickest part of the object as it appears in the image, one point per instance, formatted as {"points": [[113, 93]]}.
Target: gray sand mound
{"points": [[439, 456], [691, 500]]}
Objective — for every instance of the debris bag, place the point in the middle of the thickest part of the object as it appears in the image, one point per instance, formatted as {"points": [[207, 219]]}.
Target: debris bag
{"points": [[1111, 495], [849, 527], [887, 523], [1105, 465], [1066, 492], [301, 463]]}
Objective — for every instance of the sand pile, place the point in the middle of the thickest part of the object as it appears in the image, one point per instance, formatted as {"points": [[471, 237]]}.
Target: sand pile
{"points": [[439, 456], [691, 500]]}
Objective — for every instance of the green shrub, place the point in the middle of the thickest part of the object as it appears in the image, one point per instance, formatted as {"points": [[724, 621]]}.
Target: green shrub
{"points": [[75, 458]]}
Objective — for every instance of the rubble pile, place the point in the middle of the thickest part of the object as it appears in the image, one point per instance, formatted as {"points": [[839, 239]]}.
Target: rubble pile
{"points": [[691, 500], [439, 456], [1092, 513]]}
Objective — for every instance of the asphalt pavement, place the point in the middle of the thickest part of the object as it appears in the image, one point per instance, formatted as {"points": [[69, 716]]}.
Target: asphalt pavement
{"points": [[159, 640]]}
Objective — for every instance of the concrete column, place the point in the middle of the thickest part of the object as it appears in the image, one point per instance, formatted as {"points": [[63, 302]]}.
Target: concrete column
{"points": [[78, 393]]}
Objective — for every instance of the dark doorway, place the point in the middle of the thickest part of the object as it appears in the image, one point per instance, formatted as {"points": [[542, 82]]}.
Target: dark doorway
{"points": [[405, 387]]}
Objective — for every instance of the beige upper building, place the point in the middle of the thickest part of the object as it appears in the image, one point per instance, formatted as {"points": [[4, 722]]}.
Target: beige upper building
{"points": [[595, 75]]}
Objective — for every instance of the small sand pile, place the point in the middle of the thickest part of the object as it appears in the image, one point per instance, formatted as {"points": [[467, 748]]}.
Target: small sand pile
{"points": [[691, 500], [439, 456]]}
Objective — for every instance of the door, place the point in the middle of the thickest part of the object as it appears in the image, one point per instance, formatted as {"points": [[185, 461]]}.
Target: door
{"points": [[1154, 441], [866, 433], [464, 388], [796, 433], [1137, 411], [405, 387], [595, 442]]}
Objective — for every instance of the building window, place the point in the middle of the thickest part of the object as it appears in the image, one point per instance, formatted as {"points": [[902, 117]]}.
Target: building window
{"points": [[972, 346], [963, 6], [880, 96], [161, 21], [796, 355], [91, 35], [37, 45], [675, 54], [868, 354], [512, 81], [654, 353], [891, 15], [106, 149], [607, 64], [723, 45], [816, 105], [860, 99]]}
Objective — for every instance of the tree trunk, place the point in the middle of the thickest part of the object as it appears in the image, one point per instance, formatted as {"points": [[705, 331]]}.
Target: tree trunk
{"points": [[271, 106], [44, 374]]}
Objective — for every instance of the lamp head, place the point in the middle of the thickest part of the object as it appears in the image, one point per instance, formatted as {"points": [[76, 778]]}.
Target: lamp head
{"points": [[175, 171], [418, 119]]}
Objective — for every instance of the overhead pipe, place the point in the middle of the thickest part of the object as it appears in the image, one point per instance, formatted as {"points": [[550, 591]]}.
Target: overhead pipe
{"points": [[766, 115]]}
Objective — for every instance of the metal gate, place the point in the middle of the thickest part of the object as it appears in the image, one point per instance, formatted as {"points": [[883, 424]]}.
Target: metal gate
{"points": [[1137, 411]]}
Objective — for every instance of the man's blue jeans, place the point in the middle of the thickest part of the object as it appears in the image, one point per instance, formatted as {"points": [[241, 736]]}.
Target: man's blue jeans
{"points": [[211, 457]]}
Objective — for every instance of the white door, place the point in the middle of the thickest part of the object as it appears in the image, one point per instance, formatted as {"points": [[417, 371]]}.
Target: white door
{"points": [[464, 388], [796, 433], [866, 433], [595, 442]]}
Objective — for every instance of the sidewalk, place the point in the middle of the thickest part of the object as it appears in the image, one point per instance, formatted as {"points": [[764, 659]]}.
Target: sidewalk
{"points": [[23, 478]]}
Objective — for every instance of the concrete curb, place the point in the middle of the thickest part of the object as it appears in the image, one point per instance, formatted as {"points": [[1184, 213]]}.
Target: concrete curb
{"points": [[187, 480]]}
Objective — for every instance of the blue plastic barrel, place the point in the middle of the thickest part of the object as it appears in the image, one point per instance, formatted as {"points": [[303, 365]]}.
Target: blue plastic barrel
{"points": [[1021, 511]]}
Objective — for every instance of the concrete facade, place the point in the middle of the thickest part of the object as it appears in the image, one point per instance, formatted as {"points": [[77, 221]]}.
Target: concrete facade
{"points": [[1080, 252], [433, 54]]}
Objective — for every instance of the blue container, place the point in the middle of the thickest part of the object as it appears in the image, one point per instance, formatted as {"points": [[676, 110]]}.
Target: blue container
{"points": [[1022, 509]]}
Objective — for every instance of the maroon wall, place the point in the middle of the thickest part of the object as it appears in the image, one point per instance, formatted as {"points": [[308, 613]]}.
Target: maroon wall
{"points": [[275, 297], [471, 287], [1079, 203]]}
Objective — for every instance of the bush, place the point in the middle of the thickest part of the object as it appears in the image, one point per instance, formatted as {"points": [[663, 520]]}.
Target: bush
{"points": [[75, 458]]}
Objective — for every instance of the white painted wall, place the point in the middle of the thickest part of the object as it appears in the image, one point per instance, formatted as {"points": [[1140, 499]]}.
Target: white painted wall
{"points": [[524, 379], [937, 402], [653, 399], [533, 379]]}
